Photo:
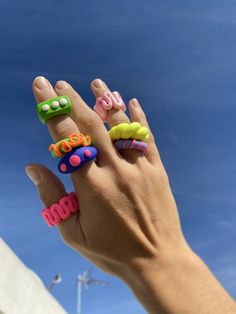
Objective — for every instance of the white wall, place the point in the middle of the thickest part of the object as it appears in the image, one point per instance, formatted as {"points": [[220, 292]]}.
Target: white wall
{"points": [[21, 290]]}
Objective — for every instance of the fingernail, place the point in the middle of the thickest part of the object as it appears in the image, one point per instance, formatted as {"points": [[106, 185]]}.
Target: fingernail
{"points": [[135, 103], [98, 83], [41, 83], [34, 175], [62, 85]]}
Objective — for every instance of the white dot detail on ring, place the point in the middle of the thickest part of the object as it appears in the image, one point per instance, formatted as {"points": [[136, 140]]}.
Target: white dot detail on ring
{"points": [[55, 104], [45, 107], [63, 101]]}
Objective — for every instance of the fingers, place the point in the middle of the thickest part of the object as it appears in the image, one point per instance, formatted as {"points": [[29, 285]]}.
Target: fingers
{"points": [[51, 190], [138, 115], [59, 127], [87, 120], [115, 117]]}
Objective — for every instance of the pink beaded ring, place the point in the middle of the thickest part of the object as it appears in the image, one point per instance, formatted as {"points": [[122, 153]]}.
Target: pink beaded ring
{"points": [[107, 101], [62, 210]]}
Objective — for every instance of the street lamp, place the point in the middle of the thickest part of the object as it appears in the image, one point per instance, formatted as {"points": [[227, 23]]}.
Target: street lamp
{"points": [[57, 279], [85, 280]]}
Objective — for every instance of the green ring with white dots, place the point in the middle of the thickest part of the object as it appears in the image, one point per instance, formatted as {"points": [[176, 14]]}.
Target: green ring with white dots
{"points": [[53, 107]]}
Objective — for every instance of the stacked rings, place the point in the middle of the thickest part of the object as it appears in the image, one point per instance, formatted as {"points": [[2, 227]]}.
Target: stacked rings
{"points": [[74, 151], [130, 136], [62, 210], [107, 101], [66, 145]]}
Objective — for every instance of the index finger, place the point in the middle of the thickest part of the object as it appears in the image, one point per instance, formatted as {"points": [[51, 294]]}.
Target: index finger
{"points": [[61, 126]]}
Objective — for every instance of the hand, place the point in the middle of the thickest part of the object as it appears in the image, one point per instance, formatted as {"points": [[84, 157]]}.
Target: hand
{"points": [[127, 211], [128, 224]]}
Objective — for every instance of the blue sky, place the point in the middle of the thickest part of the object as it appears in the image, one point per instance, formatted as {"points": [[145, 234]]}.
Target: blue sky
{"points": [[178, 59]]}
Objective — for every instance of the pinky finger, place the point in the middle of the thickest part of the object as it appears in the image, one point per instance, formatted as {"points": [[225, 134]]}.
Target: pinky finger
{"points": [[51, 190], [138, 115]]}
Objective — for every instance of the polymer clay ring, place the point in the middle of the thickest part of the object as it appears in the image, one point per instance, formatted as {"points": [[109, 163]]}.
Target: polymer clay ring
{"points": [[132, 130], [76, 159], [68, 144], [107, 101], [53, 107], [62, 210], [131, 144]]}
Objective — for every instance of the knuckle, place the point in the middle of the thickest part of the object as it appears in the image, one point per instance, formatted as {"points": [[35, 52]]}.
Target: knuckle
{"points": [[126, 177], [157, 176], [151, 136], [92, 121], [62, 127], [143, 117], [117, 117], [46, 199], [98, 187]]}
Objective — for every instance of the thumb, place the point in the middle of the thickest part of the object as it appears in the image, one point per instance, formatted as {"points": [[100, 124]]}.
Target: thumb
{"points": [[51, 190], [49, 186]]}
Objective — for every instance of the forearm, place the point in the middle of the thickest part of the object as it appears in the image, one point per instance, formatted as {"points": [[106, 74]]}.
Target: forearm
{"points": [[182, 284]]}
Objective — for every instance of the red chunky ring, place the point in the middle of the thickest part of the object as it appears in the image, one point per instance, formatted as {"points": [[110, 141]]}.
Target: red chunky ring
{"points": [[62, 210]]}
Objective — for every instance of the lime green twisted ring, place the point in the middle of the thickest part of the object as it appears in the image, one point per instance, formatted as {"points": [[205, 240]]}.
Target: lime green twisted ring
{"points": [[132, 130]]}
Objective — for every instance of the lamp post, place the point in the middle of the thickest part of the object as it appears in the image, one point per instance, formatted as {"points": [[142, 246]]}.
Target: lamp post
{"points": [[57, 279], [85, 280]]}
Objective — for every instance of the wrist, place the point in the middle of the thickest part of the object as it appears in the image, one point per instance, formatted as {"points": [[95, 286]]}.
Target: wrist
{"points": [[177, 281], [149, 278]]}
